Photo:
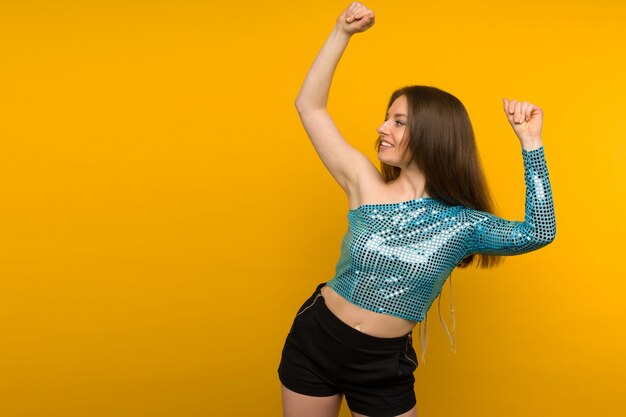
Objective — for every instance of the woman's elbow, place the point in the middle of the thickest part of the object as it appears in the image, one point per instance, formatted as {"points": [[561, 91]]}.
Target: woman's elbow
{"points": [[551, 232], [297, 104], [546, 237], [305, 107]]}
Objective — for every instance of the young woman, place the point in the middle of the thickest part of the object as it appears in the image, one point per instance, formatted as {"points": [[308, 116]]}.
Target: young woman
{"points": [[427, 212]]}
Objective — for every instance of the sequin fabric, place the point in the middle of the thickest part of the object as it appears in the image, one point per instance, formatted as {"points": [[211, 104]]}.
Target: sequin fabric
{"points": [[396, 257]]}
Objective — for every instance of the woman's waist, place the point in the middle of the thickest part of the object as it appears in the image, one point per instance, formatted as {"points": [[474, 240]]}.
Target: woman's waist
{"points": [[366, 321]]}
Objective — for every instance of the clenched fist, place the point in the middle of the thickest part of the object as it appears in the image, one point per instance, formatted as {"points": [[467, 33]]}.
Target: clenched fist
{"points": [[356, 18], [525, 118]]}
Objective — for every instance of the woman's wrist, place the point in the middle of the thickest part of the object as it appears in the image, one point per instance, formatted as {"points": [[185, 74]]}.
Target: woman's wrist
{"points": [[532, 144], [338, 31]]}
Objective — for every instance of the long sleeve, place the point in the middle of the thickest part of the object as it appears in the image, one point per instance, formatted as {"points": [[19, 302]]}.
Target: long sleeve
{"points": [[496, 236]]}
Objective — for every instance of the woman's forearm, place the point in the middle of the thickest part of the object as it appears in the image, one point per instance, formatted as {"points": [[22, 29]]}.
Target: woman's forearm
{"points": [[313, 94]]}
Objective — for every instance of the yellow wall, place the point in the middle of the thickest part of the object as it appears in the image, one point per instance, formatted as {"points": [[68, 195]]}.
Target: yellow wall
{"points": [[163, 214]]}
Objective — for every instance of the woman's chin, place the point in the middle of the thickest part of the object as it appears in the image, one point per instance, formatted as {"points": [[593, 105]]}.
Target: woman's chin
{"points": [[389, 163]]}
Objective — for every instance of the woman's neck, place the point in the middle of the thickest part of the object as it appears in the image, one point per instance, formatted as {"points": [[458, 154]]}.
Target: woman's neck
{"points": [[411, 183]]}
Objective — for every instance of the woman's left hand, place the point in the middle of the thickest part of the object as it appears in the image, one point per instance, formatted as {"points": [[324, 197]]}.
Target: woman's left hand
{"points": [[525, 118]]}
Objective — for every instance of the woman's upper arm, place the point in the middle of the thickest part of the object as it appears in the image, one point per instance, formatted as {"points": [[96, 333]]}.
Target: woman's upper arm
{"points": [[346, 164], [494, 235]]}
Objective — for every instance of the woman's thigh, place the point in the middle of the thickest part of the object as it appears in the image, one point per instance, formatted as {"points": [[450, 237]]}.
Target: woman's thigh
{"points": [[411, 413], [300, 405]]}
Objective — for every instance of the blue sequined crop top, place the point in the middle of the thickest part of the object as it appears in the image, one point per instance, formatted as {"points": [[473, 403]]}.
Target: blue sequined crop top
{"points": [[396, 257]]}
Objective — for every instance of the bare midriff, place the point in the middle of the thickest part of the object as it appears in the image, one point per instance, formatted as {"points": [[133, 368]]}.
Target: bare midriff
{"points": [[366, 321]]}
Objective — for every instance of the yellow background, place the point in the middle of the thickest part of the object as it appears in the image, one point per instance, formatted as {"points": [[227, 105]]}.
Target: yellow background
{"points": [[163, 213]]}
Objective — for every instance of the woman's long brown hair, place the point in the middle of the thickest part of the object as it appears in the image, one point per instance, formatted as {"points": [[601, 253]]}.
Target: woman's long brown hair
{"points": [[442, 144]]}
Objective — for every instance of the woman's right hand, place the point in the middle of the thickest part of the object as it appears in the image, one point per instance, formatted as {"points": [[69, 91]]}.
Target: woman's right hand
{"points": [[356, 18]]}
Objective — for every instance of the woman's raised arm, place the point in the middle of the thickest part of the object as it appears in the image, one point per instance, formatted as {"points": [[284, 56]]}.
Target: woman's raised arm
{"points": [[498, 236], [346, 164], [314, 91]]}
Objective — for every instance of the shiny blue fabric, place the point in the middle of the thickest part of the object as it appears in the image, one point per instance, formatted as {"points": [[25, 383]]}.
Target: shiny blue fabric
{"points": [[396, 257]]}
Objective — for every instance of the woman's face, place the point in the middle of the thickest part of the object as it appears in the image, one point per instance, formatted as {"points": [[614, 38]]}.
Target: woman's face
{"points": [[394, 134]]}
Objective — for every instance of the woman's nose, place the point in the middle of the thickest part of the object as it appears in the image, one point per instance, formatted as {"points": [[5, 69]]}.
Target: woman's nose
{"points": [[382, 129]]}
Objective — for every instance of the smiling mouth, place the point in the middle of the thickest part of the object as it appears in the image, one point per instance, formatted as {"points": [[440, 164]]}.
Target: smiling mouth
{"points": [[385, 144]]}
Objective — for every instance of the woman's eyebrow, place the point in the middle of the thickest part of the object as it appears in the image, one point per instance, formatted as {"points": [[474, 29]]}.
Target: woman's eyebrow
{"points": [[397, 115]]}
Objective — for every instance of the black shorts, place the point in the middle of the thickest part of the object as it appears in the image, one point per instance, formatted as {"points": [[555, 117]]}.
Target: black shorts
{"points": [[324, 356]]}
